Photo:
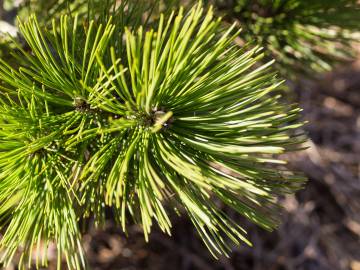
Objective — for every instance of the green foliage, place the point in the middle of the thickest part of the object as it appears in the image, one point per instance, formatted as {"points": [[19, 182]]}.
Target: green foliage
{"points": [[146, 122], [302, 35], [46, 10], [124, 11]]}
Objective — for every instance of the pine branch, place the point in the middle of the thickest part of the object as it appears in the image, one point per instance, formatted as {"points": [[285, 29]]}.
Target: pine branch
{"points": [[180, 115]]}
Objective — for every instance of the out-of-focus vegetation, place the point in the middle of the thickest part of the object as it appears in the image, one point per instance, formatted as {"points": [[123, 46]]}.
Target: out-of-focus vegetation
{"points": [[304, 36]]}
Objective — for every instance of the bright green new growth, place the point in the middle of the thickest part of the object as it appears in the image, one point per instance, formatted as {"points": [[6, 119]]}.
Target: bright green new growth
{"points": [[302, 35], [184, 118]]}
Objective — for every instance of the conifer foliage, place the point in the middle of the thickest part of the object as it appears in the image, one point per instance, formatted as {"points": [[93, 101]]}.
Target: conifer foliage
{"points": [[148, 122], [304, 36]]}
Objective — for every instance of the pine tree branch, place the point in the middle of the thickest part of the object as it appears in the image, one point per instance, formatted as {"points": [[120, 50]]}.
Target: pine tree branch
{"points": [[180, 116]]}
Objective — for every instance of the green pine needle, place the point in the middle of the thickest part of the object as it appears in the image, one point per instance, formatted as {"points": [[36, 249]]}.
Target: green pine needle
{"points": [[181, 117]]}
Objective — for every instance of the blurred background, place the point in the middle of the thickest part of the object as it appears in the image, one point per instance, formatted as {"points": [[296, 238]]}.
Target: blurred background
{"points": [[321, 223]]}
